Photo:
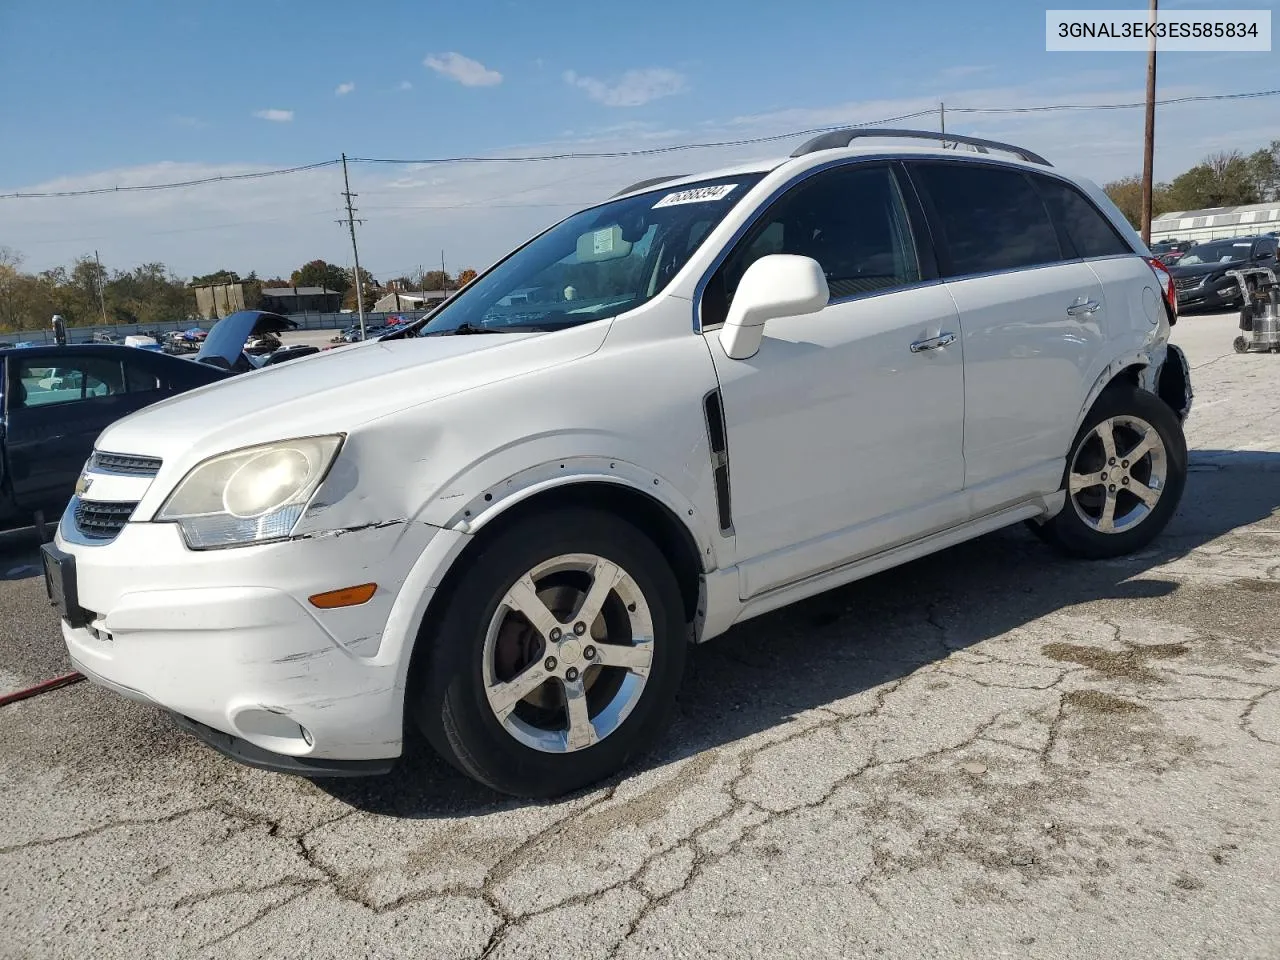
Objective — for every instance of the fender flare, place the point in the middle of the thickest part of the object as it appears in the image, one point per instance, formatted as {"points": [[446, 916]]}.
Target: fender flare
{"points": [[1148, 363], [488, 504]]}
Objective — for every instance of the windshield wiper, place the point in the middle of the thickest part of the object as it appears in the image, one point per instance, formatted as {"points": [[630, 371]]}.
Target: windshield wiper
{"points": [[468, 327], [461, 330]]}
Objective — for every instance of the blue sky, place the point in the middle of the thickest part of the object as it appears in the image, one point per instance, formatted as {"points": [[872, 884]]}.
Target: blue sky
{"points": [[136, 92]]}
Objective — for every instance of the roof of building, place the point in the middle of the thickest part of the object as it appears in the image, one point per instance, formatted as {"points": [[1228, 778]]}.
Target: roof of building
{"points": [[297, 291], [1272, 207]]}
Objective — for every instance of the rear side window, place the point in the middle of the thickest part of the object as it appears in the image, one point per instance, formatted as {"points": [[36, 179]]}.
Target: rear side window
{"points": [[66, 378], [990, 218], [1090, 232]]}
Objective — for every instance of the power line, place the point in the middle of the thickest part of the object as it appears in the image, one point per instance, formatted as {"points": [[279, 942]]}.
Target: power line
{"points": [[142, 187], [608, 154], [647, 152], [1116, 106]]}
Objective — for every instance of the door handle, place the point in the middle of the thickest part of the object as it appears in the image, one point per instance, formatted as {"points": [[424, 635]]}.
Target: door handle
{"points": [[933, 343], [1083, 307]]}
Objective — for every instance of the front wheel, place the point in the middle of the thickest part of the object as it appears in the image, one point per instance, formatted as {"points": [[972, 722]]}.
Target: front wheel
{"points": [[558, 656], [1125, 475], [1240, 345]]}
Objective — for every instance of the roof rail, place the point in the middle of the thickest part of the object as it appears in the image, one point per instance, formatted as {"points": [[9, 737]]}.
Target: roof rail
{"points": [[651, 182], [837, 139]]}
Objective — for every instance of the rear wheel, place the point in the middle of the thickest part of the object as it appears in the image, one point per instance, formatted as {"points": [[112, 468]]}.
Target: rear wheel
{"points": [[1125, 475], [558, 657]]}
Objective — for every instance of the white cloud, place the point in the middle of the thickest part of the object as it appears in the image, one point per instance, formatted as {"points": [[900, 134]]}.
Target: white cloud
{"points": [[344, 89], [405, 85], [632, 89], [275, 116], [468, 72]]}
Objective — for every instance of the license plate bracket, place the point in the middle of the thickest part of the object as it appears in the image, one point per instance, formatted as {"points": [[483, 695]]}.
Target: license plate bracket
{"points": [[60, 585]]}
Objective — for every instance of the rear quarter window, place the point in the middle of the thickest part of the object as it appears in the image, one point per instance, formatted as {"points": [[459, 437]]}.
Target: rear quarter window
{"points": [[1087, 228], [991, 218]]}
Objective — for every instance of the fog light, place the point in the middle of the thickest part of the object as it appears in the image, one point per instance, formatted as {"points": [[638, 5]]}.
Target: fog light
{"points": [[346, 597]]}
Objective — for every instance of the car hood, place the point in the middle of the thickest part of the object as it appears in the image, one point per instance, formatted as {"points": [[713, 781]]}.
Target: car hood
{"points": [[226, 339], [337, 390], [1201, 269]]}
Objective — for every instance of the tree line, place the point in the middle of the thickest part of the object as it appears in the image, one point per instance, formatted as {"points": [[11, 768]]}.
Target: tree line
{"points": [[1225, 179], [88, 293]]}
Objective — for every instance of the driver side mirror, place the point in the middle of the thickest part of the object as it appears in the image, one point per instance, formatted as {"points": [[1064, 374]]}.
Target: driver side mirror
{"points": [[777, 285]]}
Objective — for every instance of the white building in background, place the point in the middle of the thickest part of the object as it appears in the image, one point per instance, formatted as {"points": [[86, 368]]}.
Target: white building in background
{"points": [[1217, 222], [409, 300]]}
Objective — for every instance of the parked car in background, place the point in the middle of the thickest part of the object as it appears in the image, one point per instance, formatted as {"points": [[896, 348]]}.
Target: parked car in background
{"points": [[1170, 251], [1200, 275], [228, 340], [261, 344], [106, 336], [56, 400], [284, 354]]}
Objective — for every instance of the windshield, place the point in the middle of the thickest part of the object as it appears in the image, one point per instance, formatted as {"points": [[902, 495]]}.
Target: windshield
{"points": [[596, 264], [1215, 253]]}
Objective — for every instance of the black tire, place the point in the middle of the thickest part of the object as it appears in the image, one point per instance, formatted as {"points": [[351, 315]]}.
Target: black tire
{"points": [[1069, 532], [1240, 345], [448, 698]]}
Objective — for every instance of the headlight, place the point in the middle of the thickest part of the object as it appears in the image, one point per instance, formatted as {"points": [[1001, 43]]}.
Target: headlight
{"points": [[249, 495]]}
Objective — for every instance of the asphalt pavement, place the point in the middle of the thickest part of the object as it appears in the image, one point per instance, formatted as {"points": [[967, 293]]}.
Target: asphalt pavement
{"points": [[993, 752]]}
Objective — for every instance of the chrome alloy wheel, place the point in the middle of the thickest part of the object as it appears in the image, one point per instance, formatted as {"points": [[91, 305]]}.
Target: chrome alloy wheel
{"points": [[568, 653], [1118, 474]]}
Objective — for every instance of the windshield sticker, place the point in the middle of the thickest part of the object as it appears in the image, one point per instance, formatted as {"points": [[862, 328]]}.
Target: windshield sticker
{"points": [[696, 195], [603, 241]]}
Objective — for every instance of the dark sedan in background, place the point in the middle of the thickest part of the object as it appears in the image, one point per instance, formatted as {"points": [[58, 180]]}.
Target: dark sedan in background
{"points": [[1200, 275], [56, 400]]}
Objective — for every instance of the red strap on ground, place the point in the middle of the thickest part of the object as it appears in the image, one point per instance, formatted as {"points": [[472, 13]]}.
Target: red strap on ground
{"points": [[39, 688]]}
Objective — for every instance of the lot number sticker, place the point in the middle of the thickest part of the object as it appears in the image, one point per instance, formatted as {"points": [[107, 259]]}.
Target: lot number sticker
{"points": [[697, 195]]}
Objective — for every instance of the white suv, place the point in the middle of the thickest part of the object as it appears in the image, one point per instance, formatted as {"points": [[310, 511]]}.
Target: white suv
{"points": [[700, 400]]}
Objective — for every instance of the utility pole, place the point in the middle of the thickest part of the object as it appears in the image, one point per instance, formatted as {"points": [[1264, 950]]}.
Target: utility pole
{"points": [[97, 282], [1149, 138], [351, 222]]}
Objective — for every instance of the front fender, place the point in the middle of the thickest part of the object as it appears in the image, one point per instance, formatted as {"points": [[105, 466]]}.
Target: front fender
{"points": [[471, 514]]}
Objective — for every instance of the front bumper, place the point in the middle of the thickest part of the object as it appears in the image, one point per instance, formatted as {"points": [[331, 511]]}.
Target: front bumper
{"points": [[227, 640], [1208, 297]]}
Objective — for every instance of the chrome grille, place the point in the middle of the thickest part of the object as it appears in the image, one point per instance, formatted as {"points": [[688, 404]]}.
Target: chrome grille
{"points": [[1186, 283], [126, 463], [102, 521]]}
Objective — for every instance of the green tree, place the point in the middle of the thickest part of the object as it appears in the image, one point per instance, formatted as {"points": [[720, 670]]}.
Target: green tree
{"points": [[218, 276], [1264, 171], [369, 288], [1222, 180], [319, 273], [147, 295], [11, 283], [436, 280], [1126, 193]]}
